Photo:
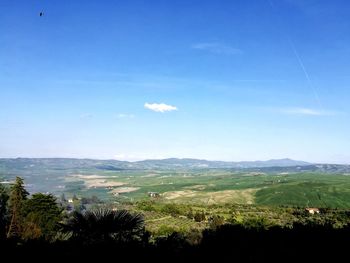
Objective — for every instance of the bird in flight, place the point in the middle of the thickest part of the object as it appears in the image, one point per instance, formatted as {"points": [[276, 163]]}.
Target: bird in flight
{"points": [[41, 13]]}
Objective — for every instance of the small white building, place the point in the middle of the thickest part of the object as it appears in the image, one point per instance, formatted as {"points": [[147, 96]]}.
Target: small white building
{"points": [[153, 194], [313, 210]]}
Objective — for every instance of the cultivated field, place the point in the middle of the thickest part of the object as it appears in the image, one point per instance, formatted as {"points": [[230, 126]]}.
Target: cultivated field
{"points": [[193, 186]]}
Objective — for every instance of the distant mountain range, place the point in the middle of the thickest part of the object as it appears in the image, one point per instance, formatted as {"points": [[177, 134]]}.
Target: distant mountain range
{"points": [[196, 163], [59, 164]]}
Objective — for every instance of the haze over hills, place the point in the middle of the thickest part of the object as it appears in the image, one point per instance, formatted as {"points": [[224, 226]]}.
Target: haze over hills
{"points": [[268, 182], [145, 164], [198, 163], [30, 164]]}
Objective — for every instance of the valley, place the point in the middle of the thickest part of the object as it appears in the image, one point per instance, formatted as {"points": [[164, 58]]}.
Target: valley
{"points": [[117, 182]]}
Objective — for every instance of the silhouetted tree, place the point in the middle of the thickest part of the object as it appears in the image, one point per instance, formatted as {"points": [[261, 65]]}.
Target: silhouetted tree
{"points": [[175, 242], [105, 225], [4, 196], [17, 197]]}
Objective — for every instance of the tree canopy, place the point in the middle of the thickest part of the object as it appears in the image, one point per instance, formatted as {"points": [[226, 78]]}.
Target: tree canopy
{"points": [[17, 197], [42, 216]]}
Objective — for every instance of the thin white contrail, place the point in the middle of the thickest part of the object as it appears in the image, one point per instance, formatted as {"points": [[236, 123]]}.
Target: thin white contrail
{"points": [[307, 76], [301, 63]]}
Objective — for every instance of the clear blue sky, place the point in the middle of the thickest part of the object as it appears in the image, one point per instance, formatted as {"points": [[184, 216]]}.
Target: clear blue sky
{"points": [[219, 80]]}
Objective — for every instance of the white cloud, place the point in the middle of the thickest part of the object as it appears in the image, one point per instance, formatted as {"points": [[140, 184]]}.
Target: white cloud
{"points": [[307, 111], [125, 116], [218, 48], [159, 107]]}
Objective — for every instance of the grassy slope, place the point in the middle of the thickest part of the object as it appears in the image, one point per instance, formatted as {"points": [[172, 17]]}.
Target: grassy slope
{"points": [[317, 190], [296, 189]]}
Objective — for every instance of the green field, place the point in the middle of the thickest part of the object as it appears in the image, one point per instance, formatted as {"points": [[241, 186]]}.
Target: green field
{"points": [[314, 190], [189, 199], [220, 186], [194, 186]]}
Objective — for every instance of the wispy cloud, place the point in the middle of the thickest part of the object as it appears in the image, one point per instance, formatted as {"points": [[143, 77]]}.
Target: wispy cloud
{"points": [[125, 116], [307, 112], [159, 107], [217, 48]]}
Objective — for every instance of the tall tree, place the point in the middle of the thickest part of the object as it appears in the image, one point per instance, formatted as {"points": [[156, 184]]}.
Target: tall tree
{"points": [[41, 217], [3, 210], [18, 195]]}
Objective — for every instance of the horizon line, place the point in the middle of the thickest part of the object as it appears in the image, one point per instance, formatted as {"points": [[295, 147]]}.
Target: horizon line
{"points": [[179, 158]]}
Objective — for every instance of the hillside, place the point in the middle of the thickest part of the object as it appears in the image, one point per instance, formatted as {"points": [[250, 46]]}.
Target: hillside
{"points": [[171, 163], [55, 164], [186, 180]]}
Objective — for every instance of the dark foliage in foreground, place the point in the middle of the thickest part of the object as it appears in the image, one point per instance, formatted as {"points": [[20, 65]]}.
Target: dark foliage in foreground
{"points": [[104, 225], [39, 231], [233, 243]]}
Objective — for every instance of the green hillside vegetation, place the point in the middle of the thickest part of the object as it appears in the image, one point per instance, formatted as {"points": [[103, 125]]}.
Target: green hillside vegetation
{"points": [[40, 225], [112, 181], [216, 186]]}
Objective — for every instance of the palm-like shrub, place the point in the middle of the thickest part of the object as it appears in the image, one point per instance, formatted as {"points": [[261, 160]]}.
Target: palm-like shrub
{"points": [[103, 225]]}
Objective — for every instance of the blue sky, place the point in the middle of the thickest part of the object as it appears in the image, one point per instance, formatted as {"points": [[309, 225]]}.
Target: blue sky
{"points": [[219, 80]]}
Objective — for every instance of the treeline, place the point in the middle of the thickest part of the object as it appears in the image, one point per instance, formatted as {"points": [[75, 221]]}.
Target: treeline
{"points": [[37, 227]]}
